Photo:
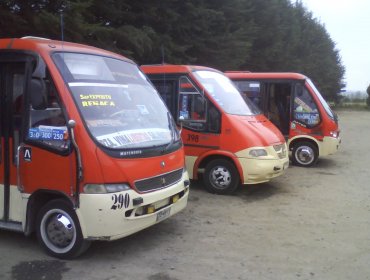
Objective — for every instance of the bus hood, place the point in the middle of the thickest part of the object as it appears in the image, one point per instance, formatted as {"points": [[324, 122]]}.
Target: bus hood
{"points": [[125, 170], [259, 129]]}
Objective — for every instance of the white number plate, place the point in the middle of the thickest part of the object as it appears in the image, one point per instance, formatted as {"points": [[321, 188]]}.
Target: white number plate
{"points": [[163, 214]]}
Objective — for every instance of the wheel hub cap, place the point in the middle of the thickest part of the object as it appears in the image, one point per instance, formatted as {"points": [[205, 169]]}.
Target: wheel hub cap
{"points": [[60, 230], [221, 177], [305, 155]]}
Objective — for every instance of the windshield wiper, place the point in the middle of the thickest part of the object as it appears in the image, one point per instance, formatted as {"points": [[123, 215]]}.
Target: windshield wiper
{"points": [[172, 130]]}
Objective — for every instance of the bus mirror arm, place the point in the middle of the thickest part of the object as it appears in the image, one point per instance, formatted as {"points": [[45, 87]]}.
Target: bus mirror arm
{"points": [[181, 120], [71, 126]]}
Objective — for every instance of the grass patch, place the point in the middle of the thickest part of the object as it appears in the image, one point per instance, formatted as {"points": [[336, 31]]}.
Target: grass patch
{"points": [[355, 106]]}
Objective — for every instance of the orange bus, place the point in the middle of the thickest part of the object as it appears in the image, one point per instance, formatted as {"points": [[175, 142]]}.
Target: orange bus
{"points": [[293, 103], [227, 141], [89, 150]]}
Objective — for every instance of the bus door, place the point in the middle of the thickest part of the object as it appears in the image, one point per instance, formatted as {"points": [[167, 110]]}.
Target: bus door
{"points": [[12, 89], [35, 148], [200, 119], [278, 104]]}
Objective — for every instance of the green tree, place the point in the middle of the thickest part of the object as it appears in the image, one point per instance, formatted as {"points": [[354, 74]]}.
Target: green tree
{"points": [[255, 35]]}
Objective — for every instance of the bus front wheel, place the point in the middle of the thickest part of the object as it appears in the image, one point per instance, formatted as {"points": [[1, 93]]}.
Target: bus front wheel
{"points": [[58, 230], [221, 177], [305, 154]]}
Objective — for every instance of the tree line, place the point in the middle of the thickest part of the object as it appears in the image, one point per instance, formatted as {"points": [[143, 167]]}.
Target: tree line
{"points": [[254, 35]]}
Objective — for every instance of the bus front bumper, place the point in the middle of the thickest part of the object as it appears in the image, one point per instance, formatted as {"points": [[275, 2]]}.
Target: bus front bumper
{"points": [[257, 171], [329, 145], [114, 215]]}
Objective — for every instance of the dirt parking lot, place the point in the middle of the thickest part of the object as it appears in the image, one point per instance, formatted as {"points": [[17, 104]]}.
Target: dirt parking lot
{"points": [[308, 224]]}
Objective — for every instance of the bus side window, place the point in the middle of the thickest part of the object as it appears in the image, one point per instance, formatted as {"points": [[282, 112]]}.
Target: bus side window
{"points": [[251, 90], [18, 81], [166, 89], [214, 119], [47, 124]]}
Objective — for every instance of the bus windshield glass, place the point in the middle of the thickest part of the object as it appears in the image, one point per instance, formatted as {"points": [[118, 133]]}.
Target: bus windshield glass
{"points": [[120, 108], [225, 94], [322, 100]]}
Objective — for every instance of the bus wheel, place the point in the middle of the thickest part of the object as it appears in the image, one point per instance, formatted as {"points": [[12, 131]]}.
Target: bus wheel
{"points": [[221, 177], [305, 154], [58, 230]]}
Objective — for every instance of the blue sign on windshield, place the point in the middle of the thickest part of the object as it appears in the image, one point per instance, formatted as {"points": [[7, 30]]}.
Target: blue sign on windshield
{"points": [[46, 133]]}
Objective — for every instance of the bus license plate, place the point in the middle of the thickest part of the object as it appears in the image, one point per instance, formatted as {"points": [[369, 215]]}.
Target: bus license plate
{"points": [[163, 214]]}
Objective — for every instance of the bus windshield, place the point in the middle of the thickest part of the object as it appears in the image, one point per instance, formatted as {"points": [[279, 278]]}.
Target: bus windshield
{"points": [[322, 100], [120, 108], [225, 94]]}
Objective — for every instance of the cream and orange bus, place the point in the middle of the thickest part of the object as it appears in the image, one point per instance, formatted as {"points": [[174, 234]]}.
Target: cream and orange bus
{"points": [[89, 150], [227, 141], [293, 103]]}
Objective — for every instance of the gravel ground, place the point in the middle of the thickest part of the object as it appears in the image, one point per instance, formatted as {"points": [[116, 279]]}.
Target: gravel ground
{"points": [[307, 224]]}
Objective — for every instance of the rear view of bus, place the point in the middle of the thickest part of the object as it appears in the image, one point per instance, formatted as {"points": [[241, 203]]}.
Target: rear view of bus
{"points": [[227, 142], [293, 103], [89, 150]]}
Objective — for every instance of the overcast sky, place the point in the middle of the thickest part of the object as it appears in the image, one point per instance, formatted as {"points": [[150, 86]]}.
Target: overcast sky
{"points": [[348, 23]]}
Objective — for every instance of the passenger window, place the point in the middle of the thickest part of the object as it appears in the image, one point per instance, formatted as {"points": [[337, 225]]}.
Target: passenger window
{"points": [[167, 90], [251, 90], [305, 108], [17, 79], [214, 119], [47, 124], [192, 105]]}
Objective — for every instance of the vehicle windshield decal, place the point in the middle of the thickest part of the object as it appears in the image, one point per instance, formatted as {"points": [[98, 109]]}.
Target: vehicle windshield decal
{"points": [[49, 133], [124, 138], [80, 84], [96, 100]]}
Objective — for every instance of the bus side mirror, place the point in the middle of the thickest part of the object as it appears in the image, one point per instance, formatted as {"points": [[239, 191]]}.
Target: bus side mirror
{"points": [[181, 120], [71, 123]]}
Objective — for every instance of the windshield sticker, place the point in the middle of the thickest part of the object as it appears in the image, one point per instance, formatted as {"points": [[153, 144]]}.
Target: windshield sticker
{"points": [[104, 123], [184, 114], [97, 85], [257, 85], [89, 100], [96, 96], [49, 133], [143, 110], [302, 106], [124, 138], [101, 103], [309, 118]]}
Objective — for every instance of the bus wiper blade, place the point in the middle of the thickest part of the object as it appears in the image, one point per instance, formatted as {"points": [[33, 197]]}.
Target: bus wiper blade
{"points": [[172, 130]]}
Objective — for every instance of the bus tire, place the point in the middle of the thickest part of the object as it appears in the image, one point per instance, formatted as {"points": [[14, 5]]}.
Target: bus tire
{"points": [[221, 177], [58, 230], [305, 154]]}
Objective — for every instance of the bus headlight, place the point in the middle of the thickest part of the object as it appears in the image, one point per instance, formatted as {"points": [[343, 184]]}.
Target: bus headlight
{"points": [[258, 152], [105, 188], [334, 134]]}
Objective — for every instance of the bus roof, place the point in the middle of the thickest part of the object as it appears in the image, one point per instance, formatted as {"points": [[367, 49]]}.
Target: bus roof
{"points": [[264, 75], [171, 68], [47, 46]]}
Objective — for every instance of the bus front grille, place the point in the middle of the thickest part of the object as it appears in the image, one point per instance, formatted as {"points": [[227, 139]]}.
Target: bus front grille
{"points": [[159, 182]]}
